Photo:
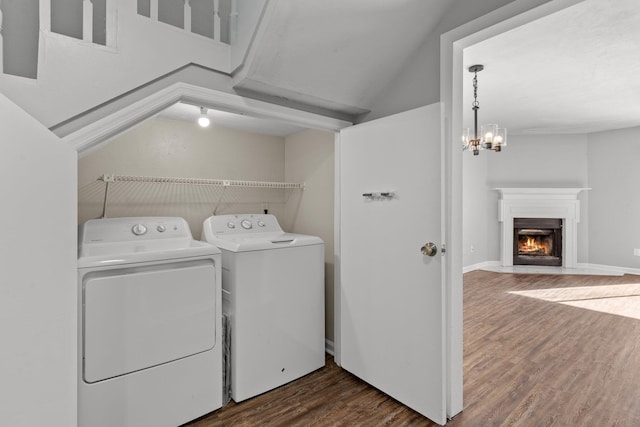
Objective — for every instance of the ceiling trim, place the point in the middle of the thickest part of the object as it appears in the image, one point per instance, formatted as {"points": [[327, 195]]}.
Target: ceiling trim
{"points": [[93, 135]]}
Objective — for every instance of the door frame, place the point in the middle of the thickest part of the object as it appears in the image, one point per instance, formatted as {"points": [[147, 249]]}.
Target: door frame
{"points": [[452, 44]]}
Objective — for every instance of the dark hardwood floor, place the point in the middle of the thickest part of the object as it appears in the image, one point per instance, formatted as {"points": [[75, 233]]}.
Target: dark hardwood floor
{"points": [[527, 362]]}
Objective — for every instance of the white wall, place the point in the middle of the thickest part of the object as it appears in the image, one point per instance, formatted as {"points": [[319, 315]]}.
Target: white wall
{"points": [[309, 158], [476, 210], [163, 147], [614, 201], [249, 13], [38, 294], [527, 161], [419, 82]]}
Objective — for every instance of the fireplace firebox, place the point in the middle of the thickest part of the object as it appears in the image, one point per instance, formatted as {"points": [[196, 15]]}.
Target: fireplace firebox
{"points": [[537, 241]]}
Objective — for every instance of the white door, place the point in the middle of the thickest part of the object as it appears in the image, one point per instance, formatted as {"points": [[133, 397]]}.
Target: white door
{"points": [[392, 318]]}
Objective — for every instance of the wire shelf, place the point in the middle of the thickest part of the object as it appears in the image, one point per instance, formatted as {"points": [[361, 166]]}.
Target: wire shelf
{"points": [[199, 181]]}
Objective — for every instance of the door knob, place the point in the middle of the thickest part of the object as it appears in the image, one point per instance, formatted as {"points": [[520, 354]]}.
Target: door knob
{"points": [[429, 249]]}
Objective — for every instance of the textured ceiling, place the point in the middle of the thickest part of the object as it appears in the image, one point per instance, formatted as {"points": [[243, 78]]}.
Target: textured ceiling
{"points": [[576, 71]]}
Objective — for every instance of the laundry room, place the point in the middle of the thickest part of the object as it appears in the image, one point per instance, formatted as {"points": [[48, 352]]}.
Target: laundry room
{"points": [[170, 166]]}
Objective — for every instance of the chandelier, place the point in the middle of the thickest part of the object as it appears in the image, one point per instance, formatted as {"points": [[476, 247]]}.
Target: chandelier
{"points": [[491, 137]]}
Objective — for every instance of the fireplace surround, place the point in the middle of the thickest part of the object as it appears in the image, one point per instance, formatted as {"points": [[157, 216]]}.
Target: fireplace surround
{"points": [[551, 203]]}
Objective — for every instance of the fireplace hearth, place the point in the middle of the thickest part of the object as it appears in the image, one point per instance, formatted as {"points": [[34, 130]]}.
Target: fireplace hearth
{"points": [[537, 241]]}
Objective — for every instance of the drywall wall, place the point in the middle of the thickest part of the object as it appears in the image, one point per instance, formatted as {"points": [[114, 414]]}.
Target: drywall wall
{"points": [[475, 208], [528, 161], [309, 158], [163, 147], [419, 82], [614, 201], [540, 161], [38, 293]]}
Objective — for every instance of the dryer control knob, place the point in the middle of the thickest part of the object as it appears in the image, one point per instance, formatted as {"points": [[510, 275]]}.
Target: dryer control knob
{"points": [[161, 228], [261, 223], [139, 229], [231, 225], [246, 224]]}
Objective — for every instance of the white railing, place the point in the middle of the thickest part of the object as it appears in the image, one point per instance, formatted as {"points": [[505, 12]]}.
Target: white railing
{"points": [[87, 21], [230, 18], [97, 23]]}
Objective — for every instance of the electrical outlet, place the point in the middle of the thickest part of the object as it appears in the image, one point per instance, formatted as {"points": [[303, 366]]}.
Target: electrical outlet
{"points": [[636, 251]]}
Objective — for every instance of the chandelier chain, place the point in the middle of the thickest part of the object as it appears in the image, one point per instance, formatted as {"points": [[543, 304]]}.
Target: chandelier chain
{"points": [[475, 91]]}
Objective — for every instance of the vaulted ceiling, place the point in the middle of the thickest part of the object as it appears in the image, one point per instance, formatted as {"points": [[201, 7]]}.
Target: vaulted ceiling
{"points": [[336, 55], [575, 71]]}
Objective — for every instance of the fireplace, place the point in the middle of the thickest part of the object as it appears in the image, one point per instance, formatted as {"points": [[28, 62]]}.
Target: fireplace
{"points": [[537, 241], [540, 203]]}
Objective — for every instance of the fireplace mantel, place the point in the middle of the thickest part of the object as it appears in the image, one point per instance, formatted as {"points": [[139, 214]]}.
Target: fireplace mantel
{"points": [[540, 203]]}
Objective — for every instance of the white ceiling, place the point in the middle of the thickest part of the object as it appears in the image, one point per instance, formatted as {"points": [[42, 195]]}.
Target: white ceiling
{"points": [[337, 55], [191, 113], [576, 71]]}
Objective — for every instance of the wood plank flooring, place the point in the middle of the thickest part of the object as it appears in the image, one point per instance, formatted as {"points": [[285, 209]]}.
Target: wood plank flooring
{"points": [[527, 362]]}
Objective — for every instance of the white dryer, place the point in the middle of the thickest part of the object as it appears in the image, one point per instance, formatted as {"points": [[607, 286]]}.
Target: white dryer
{"points": [[273, 294], [150, 350]]}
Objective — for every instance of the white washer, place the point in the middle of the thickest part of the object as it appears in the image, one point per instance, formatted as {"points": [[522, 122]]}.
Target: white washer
{"points": [[150, 314], [273, 293]]}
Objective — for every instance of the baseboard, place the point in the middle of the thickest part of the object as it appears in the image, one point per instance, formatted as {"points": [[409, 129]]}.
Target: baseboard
{"points": [[623, 270], [480, 266], [580, 265], [328, 346]]}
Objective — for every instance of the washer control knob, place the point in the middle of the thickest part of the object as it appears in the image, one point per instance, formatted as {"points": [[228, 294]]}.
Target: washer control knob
{"points": [[246, 224], [231, 225], [161, 228], [261, 223], [139, 229]]}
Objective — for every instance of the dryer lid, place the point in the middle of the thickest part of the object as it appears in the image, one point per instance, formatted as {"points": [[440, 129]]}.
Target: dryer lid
{"points": [[114, 241]]}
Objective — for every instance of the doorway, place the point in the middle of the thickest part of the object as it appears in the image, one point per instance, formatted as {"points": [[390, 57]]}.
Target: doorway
{"points": [[452, 74]]}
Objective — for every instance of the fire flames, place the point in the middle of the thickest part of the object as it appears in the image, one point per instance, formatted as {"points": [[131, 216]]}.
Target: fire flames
{"points": [[529, 245]]}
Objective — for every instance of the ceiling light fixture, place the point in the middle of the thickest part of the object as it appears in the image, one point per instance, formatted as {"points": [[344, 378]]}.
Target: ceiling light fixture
{"points": [[203, 120], [491, 136]]}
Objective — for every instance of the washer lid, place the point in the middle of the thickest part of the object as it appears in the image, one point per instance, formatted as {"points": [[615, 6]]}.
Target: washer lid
{"points": [[251, 232], [262, 241]]}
